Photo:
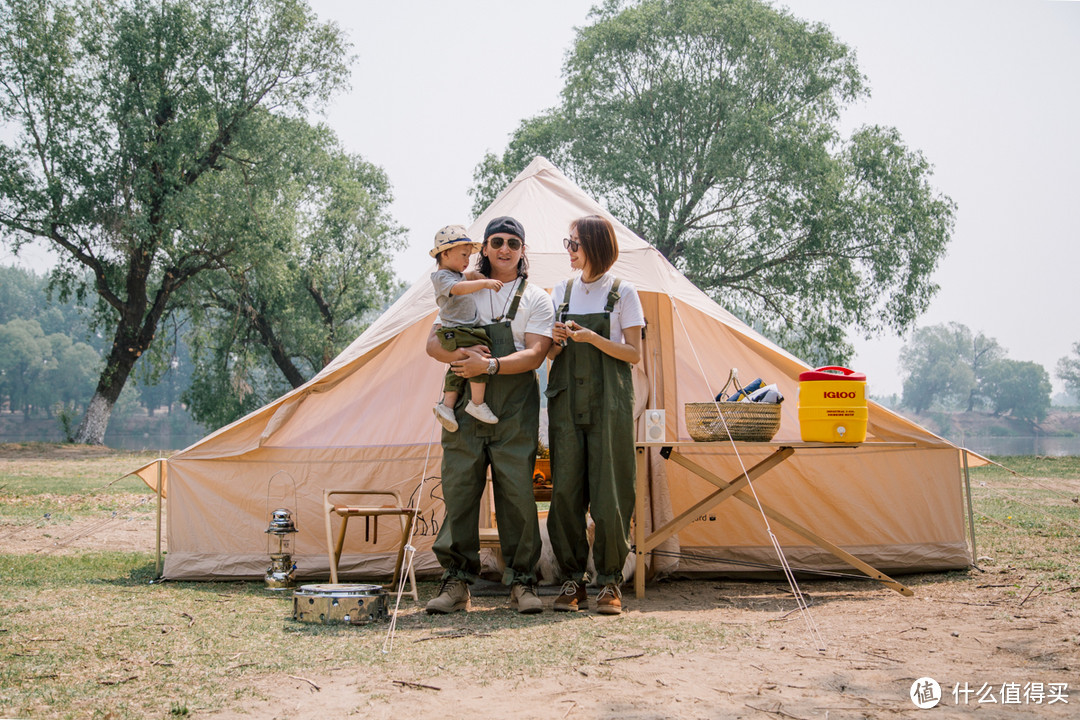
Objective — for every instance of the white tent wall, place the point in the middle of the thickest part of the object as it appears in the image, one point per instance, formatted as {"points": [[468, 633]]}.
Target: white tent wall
{"points": [[365, 422]]}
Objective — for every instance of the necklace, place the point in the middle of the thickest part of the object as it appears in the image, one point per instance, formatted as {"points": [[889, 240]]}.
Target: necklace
{"points": [[506, 304], [588, 286]]}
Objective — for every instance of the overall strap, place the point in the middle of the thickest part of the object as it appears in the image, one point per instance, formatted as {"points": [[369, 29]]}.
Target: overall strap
{"points": [[613, 296], [564, 307], [517, 299]]}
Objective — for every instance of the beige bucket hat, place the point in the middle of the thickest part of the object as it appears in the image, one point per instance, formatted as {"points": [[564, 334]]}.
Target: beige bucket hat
{"points": [[450, 236]]}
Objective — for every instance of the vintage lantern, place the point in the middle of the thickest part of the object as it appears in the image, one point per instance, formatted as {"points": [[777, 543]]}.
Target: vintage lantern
{"points": [[279, 545]]}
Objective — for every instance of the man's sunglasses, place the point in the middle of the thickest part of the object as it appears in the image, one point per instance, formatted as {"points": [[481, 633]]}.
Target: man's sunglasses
{"points": [[571, 245], [497, 242]]}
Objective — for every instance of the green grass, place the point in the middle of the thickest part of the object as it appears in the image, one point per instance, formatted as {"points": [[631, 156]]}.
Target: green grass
{"points": [[28, 475], [1031, 466], [90, 634], [1027, 514], [42, 492]]}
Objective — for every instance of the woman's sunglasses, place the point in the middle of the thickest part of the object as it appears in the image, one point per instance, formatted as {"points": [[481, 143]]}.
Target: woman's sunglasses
{"points": [[571, 245], [497, 242]]}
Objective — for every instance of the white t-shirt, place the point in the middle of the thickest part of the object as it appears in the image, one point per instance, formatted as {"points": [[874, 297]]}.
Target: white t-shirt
{"points": [[534, 314], [592, 298]]}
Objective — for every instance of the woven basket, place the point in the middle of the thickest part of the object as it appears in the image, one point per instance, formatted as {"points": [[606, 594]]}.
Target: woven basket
{"points": [[749, 421]]}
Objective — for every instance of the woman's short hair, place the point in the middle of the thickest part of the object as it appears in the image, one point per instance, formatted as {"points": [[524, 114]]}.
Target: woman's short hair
{"points": [[597, 238]]}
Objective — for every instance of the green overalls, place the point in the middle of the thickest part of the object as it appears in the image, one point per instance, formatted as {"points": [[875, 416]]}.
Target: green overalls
{"points": [[591, 428], [509, 447]]}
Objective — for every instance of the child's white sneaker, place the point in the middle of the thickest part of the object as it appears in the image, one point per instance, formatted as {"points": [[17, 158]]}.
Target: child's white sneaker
{"points": [[481, 412], [445, 416]]}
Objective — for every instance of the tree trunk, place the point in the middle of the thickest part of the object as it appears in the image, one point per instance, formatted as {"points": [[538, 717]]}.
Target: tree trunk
{"points": [[113, 378], [96, 421]]}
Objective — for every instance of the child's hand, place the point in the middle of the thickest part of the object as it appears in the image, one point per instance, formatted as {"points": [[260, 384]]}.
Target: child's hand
{"points": [[493, 284]]}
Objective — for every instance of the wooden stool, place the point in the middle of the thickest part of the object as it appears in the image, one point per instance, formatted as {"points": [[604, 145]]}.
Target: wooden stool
{"points": [[368, 512], [489, 538]]}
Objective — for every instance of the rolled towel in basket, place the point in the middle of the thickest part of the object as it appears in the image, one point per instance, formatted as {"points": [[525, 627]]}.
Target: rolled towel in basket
{"points": [[767, 394]]}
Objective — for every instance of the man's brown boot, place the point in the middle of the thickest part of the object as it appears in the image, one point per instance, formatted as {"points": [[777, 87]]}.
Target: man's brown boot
{"points": [[453, 595], [524, 599]]}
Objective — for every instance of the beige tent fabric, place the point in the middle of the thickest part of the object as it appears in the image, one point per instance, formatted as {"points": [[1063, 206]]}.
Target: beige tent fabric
{"points": [[365, 422]]}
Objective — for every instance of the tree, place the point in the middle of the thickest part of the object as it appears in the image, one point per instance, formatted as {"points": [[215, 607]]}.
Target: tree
{"points": [[710, 128], [126, 111], [25, 355], [316, 258], [1068, 371], [945, 366], [1019, 388]]}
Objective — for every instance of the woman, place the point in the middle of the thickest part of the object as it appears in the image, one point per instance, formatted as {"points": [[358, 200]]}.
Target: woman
{"points": [[517, 318], [597, 333]]}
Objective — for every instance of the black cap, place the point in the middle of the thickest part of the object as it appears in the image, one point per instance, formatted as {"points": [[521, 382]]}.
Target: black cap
{"points": [[507, 225]]}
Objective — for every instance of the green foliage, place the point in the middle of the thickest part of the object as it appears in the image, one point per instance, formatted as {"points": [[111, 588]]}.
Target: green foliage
{"points": [[66, 416], [314, 259], [124, 112], [945, 367], [1019, 388], [1068, 371], [710, 127], [39, 371]]}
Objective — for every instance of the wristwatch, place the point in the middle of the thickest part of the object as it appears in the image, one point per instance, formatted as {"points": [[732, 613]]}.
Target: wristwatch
{"points": [[493, 366]]}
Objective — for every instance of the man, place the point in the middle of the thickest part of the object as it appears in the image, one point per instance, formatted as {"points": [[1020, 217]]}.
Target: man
{"points": [[518, 319]]}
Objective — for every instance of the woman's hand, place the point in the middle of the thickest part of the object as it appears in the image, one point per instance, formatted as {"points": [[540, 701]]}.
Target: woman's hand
{"points": [[580, 334]]}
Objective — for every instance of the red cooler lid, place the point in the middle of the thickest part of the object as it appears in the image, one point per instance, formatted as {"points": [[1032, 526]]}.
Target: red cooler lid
{"points": [[832, 372]]}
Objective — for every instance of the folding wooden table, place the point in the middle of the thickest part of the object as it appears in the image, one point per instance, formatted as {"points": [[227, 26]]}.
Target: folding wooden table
{"points": [[734, 488]]}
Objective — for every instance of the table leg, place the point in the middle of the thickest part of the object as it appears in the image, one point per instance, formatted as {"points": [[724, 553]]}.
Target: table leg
{"points": [[794, 526], [642, 484]]}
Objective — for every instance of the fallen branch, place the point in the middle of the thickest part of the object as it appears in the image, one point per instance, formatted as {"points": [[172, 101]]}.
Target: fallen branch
{"points": [[623, 657], [117, 682], [452, 636], [297, 677], [777, 711], [419, 686], [883, 657]]}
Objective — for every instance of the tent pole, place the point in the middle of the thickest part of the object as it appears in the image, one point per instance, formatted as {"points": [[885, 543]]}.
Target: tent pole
{"points": [[971, 511], [157, 563]]}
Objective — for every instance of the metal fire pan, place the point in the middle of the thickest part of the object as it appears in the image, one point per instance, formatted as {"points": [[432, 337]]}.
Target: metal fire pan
{"points": [[330, 604]]}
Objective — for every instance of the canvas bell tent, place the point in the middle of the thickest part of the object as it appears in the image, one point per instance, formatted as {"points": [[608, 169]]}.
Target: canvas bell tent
{"points": [[365, 422]]}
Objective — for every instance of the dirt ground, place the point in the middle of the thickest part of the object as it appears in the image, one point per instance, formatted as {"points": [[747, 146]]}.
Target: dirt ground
{"points": [[1015, 647]]}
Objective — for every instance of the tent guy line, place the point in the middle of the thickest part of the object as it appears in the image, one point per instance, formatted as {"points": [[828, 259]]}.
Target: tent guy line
{"points": [[410, 549], [800, 599]]}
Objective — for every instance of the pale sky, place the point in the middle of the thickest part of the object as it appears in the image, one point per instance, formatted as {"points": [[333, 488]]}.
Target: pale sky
{"points": [[986, 89]]}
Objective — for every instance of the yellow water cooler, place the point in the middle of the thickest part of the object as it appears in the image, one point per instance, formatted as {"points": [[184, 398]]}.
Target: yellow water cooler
{"points": [[832, 405]]}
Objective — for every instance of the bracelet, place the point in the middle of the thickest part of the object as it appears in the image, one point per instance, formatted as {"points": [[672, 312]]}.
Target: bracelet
{"points": [[498, 366]]}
